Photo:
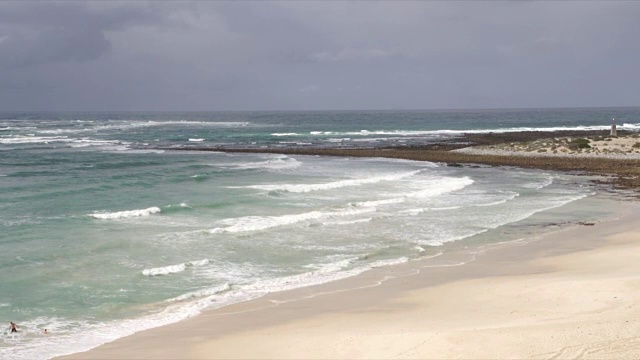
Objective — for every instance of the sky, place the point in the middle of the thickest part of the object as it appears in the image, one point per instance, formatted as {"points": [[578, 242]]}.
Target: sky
{"points": [[324, 55]]}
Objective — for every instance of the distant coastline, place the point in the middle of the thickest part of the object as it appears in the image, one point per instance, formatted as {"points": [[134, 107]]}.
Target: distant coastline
{"points": [[622, 169]]}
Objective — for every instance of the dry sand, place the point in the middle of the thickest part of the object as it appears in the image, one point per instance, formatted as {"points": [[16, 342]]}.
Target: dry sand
{"points": [[617, 159], [570, 294], [620, 147]]}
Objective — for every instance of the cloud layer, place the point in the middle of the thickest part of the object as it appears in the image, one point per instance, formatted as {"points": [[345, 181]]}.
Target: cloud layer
{"points": [[317, 55]]}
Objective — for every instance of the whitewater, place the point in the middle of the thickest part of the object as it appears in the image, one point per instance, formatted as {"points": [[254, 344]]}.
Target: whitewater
{"points": [[107, 229]]}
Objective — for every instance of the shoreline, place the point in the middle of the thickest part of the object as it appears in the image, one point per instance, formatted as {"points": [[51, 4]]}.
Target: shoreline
{"points": [[200, 336], [623, 172], [288, 324]]}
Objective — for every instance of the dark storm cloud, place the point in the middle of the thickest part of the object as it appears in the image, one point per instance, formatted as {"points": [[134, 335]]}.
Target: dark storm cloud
{"points": [[42, 32], [317, 55]]}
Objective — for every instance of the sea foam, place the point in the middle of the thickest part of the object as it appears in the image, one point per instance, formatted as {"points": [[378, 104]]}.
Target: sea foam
{"points": [[442, 186], [125, 214], [165, 270], [86, 335], [172, 269], [273, 163], [303, 188], [201, 293], [255, 223], [34, 139]]}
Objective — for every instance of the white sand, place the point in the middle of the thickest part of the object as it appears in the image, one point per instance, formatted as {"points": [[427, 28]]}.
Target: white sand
{"points": [[571, 294], [622, 147]]}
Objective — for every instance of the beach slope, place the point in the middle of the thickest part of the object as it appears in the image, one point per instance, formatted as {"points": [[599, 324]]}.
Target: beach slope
{"points": [[568, 294]]}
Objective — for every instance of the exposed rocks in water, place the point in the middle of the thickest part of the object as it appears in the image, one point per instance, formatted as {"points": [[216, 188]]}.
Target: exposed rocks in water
{"points": [[623, 172]]}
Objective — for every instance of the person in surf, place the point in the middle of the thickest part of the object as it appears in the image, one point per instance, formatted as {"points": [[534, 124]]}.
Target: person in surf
{"points": [[14, 327]]}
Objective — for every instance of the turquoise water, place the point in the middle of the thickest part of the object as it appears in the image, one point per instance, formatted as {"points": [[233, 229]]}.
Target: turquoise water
{"points": [[102, 234]]}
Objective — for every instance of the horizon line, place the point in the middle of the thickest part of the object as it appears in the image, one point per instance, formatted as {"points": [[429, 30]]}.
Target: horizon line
{"points": [[336, 110]]}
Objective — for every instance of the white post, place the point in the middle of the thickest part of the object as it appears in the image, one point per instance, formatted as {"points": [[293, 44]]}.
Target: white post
{"points": [[614, 131]]}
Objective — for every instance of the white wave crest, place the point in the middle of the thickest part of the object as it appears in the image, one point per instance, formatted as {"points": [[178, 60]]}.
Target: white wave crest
{"points": [[538, 186], [414, 212], [120, 125], [196, 139], [165, 270], [34, 139], [199, 262], [79, 143], [389, 262], [441, 186], [277, 163], [201, 293], [511, 196], [473, 131], [303, 188], [125, 214], [172, 269], [322, 273], [255, 223], [182, 205], [75, 336], [632, 127]]}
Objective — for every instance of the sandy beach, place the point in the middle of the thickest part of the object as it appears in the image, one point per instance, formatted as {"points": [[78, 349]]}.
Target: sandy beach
{"points": [[220, 179], [615, 158], [568, 294]]}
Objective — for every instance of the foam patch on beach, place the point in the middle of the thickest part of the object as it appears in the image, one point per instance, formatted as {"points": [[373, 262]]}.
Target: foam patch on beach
{"points": [[70, 336], [321, 273], [125, 214]]}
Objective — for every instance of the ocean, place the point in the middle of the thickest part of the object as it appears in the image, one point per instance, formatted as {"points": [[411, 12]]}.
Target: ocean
{"points": [[106, 228]]}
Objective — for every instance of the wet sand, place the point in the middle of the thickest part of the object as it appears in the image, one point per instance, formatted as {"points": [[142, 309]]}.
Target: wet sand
{"points": [[568, 294]]}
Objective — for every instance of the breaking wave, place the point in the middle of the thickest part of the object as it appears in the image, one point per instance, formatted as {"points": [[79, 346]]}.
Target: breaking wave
{"points": [[255, 223], [303, 188], [125, 214], [275, 163], [172, 269]]}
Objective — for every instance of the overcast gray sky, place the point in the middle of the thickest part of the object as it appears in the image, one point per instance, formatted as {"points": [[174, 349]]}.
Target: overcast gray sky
{"points": [[303, 55]]}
